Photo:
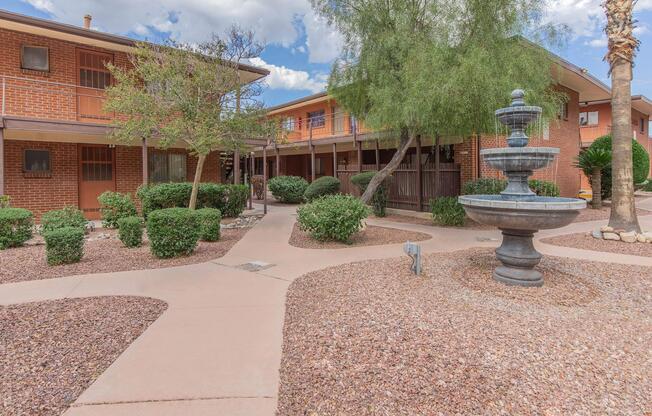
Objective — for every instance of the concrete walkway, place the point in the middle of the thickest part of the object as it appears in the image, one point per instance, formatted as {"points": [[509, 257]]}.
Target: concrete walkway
{"points": [[217, 348]]}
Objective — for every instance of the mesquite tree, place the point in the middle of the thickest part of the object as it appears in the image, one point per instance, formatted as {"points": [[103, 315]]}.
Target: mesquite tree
{"points": [[622, 49], [428, 67], [190, 94]]}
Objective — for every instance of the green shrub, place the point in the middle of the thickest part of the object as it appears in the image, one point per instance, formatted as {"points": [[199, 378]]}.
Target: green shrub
{"points": [[332, 217], [543, 188], [64, 245], [15, 227], [484, 186], [640, 159], [130, 231], [229, 199], [172, 232], [379, 199], [113, 206], [5, 201], [326, 185], [447, 211], [209, 224], [60, 218], [257, 181], [648, 185], [288, 189]]}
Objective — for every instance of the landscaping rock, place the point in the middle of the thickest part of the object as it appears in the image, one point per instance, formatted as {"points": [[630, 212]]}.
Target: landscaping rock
{"points": [[597, 234], [610, 236], [641, 238], [606, 229], [628, 237]]}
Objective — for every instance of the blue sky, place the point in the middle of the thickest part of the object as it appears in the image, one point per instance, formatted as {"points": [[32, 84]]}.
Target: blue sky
{"points": [[301, 46]]}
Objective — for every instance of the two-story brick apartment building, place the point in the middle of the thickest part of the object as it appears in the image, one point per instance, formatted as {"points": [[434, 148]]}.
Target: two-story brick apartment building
{"points": [[54, 144], [324, 140]]}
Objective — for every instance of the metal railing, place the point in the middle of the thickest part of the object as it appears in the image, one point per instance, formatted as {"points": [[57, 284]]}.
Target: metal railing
{"points": [[299, 128], [28, 97], [590, 133]]}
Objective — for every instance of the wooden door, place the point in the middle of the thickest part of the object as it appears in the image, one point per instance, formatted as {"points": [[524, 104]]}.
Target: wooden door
{"points": [[96, 175], [92, 79]]}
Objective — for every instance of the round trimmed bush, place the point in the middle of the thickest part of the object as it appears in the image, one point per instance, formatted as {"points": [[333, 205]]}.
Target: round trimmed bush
{"points": [[67, 217], [379, 199], [288, 189], [113, 206], [130, 231], [64, 245], [332, 217], [640, 163], [15, 227], [209, 224], [326, 185], [447, 210], [173, 232]]}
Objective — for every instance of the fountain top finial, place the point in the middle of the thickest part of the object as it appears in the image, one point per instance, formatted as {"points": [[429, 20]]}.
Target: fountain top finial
{"points": [[518, 97]]}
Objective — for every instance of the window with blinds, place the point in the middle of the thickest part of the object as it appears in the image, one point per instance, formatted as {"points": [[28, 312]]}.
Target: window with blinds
{"points": [[92, 70]]}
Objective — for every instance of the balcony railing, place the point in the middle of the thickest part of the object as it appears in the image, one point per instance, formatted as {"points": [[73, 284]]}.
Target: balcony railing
{"points": [[329, 125], [27, 97]]}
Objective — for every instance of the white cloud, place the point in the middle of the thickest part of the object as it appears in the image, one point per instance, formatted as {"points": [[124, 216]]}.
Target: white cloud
{"points": [[323, 41], [600, 42], [281, 77]]}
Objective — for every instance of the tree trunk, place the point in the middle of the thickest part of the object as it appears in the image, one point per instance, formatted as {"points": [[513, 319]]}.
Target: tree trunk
{"points": [[406, 141], [195, 184], [623, 211], [596, 189]]}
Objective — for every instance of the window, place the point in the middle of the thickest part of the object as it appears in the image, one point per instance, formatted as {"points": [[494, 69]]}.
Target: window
{"points": [[317, 118], [288, 124], [563, 111], [589, 118], [37, 161], [35, 58], [167, 167], [92, 70], [319, 167], [642, 125]]}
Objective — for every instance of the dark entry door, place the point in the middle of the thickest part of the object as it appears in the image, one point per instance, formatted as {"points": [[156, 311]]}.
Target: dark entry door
{"points": [[96, 175]]}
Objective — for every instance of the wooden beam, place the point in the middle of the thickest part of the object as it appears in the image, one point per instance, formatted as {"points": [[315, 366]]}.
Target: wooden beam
{"points": [[359, 147], [236, 166], [419, 175], [312, 153], [265, 180], [2, 162], [335, 160], [377, 156], [437, 171], [278, 162], [251, 173], [145, 162]]}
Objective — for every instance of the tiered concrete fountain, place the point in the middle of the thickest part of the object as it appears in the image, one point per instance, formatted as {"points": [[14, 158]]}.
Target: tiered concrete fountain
{"points": [[517, 211]]}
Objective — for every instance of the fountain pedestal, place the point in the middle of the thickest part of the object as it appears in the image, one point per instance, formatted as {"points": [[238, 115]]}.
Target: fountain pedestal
{"points": [[517, 211]]}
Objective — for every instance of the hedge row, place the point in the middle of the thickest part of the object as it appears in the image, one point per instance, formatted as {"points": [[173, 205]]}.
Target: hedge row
{"points": [[489, 186], [229, 199], [15, 227]]}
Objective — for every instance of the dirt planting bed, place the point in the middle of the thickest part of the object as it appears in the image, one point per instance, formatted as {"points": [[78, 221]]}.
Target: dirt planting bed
{"points": [[50, 352], [370, 338], [104, 255], [407, 219], [586, 242], [371, 236]]}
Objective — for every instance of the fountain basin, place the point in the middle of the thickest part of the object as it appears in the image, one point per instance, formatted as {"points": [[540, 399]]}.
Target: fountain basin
{"points": [[541, 213], [519, 159]]}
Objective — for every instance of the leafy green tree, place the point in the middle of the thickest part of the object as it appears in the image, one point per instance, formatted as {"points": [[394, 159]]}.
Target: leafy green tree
{"points": [[191, 94], [428, 67], [592, 161]]}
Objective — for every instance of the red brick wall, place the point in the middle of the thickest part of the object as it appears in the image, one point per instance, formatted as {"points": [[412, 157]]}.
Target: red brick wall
{"points": [[29, 98]]}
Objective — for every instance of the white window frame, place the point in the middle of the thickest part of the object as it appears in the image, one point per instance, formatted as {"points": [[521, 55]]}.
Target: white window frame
{"points": [[586, 118]]}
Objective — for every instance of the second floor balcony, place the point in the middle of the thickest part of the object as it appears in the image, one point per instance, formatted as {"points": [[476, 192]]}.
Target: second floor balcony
{"points": [[319, 125], [43, 99]]}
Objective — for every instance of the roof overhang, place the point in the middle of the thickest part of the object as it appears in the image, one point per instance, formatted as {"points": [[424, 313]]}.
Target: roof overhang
{"points": [[70, 33], [639, 103], [579, 79], [300, 102]]}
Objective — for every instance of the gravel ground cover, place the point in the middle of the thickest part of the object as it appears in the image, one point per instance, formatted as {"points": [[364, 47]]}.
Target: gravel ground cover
{"points": [[407, 219], [590, 214], [105, 255], [371, 236], [370, 338], [52, 351], [587, 242]]}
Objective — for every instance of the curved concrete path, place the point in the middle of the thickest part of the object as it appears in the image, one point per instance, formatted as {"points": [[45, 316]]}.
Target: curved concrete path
{"points": [[217, 348]]}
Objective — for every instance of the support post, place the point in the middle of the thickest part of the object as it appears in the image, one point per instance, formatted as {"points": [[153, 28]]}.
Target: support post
{"points": [[2, 160], [312, 152], [236, 166], [278, 162], [419, 175], [264, 179], [377, 156], [335, 160], [359, 146], [437, 171], [251, 173], [145, 162]]}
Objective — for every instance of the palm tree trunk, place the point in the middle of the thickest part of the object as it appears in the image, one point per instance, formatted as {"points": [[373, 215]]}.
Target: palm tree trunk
{"points": [[596, 189], [195, 184], [622, 45], [406, 140]]}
